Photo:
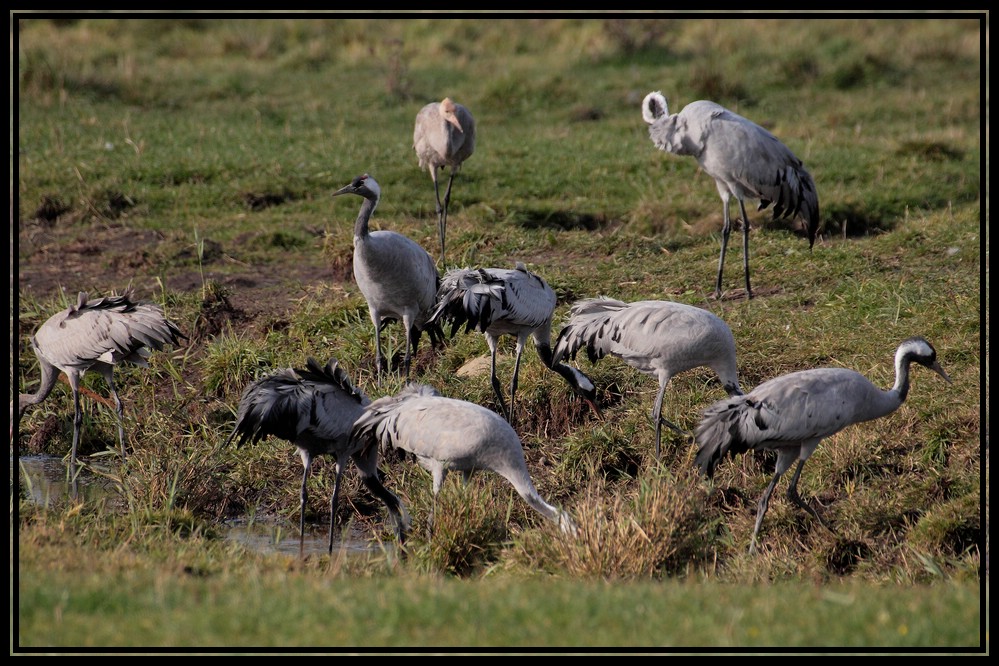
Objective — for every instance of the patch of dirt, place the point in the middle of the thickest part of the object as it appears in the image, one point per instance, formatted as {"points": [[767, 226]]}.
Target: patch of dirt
{"points": [[54, 257]]}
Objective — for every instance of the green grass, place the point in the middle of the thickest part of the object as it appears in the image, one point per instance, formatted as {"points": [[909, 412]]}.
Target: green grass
{"points": [[195, 159]]}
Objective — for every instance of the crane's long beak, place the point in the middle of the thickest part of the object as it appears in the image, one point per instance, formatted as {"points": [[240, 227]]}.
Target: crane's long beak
{"points": [[346, 189], [454, 121], [940, 371], [596, 410]]}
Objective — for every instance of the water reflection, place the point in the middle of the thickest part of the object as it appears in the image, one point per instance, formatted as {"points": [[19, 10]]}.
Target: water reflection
{"points": [[43, 480], [272, 537]]}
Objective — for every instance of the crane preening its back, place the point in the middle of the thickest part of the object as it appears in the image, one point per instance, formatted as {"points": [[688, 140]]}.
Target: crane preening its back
{"points": [[792, 413], [314, 408], [95, 335], [660, 338], [397, 277], [502, 301], [745, 160], [444, 136], [446, 435]]}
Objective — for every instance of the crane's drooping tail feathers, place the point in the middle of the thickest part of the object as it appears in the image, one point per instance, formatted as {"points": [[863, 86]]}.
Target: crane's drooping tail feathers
{"points": [[589, 319], [465, 297], [272, 405], [723, 431], [376, 425]]}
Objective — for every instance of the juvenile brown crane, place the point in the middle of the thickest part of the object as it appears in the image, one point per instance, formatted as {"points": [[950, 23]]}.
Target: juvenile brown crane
{"points": [[745, 160], [793, 413], [95, 335], [444, 136]]}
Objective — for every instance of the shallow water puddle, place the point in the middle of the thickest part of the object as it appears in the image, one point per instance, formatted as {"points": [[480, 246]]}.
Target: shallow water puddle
{"points": [[44, 481]]}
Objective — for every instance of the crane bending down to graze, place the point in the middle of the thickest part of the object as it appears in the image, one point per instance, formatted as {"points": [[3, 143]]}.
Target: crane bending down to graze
{"points": [[314, 408], [792, 413], [746, 161], [500, 301], [446, 435], [444, 136], [660, 338], [397, 277], [95, 335]]}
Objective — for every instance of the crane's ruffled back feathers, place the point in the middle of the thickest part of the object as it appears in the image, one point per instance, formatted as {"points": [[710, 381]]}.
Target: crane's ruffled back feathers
{"points": [[590, 326], [376, 426], [467, 297], [728, 427], [112, 328], [272, 405], [332, 374], [290, 401]]}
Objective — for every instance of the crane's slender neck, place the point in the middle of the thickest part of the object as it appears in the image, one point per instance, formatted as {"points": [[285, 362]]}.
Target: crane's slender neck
{"points": [[574, 378], [361, 225], [901, 388], [49, 376]]}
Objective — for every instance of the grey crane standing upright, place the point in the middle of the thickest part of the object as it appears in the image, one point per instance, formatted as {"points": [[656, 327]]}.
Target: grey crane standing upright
{"points": [[397, 277], [501, 301], [444, 136], [792, 413], [660, 338], [745, 160], [95, 335], [446, 435], [314, 408]]}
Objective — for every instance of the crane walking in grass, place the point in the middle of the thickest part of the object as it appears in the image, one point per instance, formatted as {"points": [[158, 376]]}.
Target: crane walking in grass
{"points": [[397, 277], [314, 408], [745, 160], [95, 335], [447, 435], [501, 301], [660, 338], [793, 413], [444, 136]]}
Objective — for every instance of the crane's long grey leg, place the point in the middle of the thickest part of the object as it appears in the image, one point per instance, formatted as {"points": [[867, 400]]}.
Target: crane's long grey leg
{"points": [[726, 230], [492, 342], [745, 246], [439, 474], [792, 494], [657, 416], [74, 383], [376, 320], [784, 460], [516, 373], [120, 411], [336, 497], [441, 222], [447, 202], [303, 500]]}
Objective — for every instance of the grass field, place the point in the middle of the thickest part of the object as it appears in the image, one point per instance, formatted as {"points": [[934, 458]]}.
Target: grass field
{"points": [[194, 159]]}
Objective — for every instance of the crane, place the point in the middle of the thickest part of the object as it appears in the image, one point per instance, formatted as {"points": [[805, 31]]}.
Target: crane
{"points": [[95, 335], [745, 160], [314, 408], [501, 301], [397, 277], [446, 434], [660, 338], [792, 413], [444, 136]]}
